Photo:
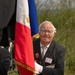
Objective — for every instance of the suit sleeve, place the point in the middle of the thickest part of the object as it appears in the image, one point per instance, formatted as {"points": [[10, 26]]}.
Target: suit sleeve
{"points": [[59, 65], [4, 61]]}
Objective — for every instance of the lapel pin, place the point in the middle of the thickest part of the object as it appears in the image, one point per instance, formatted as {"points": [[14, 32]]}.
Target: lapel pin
{"points": [[37, 55]]}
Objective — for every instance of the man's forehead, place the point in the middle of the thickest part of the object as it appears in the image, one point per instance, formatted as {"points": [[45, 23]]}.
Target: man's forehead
{"points": [[47, 26]]}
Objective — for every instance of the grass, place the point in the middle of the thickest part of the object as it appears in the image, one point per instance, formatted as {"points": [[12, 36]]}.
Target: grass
{"points": [[12, 73], [69, 72]]}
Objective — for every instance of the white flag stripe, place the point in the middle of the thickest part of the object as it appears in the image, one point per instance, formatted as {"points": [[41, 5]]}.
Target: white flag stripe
{"points": [[23, 12]]}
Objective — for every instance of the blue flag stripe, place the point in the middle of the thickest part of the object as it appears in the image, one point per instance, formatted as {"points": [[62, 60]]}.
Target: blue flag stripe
{"points": [[33, 17]]}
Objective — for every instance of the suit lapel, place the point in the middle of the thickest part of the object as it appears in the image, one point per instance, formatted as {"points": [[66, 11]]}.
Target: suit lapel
{"points": [[38, 52]]}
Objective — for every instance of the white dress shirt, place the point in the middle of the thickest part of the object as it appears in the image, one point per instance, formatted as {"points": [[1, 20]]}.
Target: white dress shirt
{"points": [[44, 49]]}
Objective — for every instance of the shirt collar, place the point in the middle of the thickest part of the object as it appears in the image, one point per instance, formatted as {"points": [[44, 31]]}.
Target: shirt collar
{"points": [[46, 46]]}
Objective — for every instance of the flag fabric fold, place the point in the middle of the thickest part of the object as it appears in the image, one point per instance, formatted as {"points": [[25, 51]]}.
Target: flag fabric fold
{"points": [[26, 25]]}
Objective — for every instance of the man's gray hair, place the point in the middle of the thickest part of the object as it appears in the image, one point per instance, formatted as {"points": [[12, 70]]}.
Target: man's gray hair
{"points": [[47, 22]]}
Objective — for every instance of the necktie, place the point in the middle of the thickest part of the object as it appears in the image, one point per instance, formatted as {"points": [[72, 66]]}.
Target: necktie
{"points": [[43, 51]]}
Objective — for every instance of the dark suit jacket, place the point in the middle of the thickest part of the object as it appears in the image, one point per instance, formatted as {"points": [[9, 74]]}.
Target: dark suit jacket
{"points": [[7, 20], [7, 9], [53, 61], [4, 61]]}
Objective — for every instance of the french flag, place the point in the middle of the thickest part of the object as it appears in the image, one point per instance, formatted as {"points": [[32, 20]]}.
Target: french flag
{"points": [[26, 26]]}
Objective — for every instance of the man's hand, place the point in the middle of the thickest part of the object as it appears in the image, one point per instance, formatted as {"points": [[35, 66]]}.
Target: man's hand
{"points": [[38, 68]]}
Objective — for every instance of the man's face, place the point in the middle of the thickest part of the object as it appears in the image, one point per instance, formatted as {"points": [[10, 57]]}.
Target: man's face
{"points": [[46, 34]]}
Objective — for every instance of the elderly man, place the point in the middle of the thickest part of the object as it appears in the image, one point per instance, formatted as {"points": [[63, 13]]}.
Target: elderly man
{"points": [[49, 55]]}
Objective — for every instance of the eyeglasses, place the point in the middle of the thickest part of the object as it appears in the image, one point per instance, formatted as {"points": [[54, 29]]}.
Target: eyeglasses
{"points": [[48, 31]]}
